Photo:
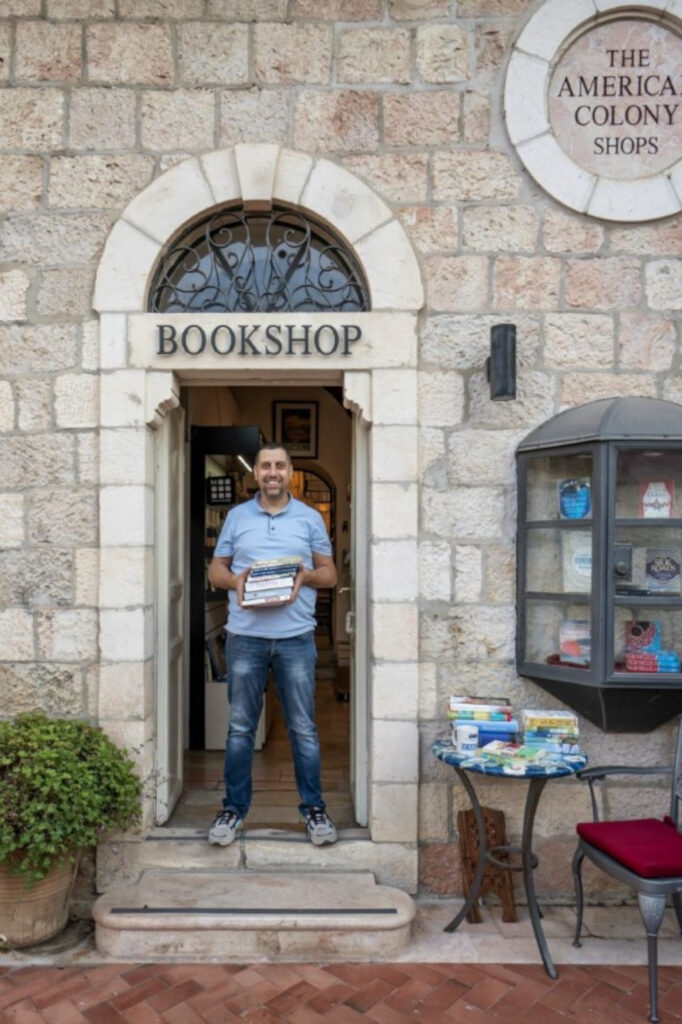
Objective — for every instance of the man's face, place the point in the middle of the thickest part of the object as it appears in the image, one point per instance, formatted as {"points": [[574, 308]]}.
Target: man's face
{"points": [[272, 473]]}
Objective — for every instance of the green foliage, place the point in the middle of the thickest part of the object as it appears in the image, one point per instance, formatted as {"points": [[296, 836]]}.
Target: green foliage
{"points": [[62, 784]]}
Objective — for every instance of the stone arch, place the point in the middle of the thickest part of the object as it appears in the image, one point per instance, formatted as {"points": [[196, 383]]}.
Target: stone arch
{"points": [[258, 174]]}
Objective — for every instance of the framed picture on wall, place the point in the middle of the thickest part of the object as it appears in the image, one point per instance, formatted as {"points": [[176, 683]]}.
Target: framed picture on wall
{"points": [[295, 427]]}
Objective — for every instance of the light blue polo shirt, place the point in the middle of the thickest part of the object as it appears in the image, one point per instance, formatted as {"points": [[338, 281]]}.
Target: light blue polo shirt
{"points": [[250, 534]]}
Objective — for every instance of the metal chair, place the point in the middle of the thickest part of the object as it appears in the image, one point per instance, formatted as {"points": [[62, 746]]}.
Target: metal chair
{"points": [[645, 854]]}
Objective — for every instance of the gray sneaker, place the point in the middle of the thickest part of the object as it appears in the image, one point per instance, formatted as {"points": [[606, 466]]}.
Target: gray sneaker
{"points": [[319, 826], [224, 829]]}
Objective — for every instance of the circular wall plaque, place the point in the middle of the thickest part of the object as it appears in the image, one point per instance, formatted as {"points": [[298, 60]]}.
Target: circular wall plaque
{"points": [[593, 104]]}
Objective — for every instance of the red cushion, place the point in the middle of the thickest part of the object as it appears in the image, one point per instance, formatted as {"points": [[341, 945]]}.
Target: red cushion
{"points": [[647, 846]]}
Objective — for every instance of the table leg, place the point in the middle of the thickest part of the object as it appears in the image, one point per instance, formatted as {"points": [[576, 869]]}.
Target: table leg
{"points": [[482, 852], [535, 789]]}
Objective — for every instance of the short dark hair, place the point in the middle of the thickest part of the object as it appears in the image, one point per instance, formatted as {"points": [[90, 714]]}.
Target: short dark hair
{"points": [[271, 446]]}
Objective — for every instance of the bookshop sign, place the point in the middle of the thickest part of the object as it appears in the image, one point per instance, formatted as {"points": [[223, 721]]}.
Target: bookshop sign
{"points": [[594, 108]]}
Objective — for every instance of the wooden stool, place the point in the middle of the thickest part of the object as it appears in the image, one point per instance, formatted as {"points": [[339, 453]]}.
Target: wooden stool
{"points": [[496, 880]]}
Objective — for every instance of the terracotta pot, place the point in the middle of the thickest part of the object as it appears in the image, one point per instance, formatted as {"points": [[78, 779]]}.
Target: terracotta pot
{"points": [[28, 916]]}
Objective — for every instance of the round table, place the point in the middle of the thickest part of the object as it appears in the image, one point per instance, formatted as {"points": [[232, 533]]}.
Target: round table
{"points": [[538, 775]]}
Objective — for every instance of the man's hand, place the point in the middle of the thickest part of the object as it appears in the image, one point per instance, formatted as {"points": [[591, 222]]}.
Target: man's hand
{"points": [[299, 580], [239, 581]]}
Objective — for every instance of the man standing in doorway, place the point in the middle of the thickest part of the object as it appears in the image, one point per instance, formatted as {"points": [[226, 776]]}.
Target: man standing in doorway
{"points": [[272, 524]]}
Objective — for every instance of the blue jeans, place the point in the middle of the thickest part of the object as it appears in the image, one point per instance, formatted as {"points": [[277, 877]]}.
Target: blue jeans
{"points": [[292, 660]]}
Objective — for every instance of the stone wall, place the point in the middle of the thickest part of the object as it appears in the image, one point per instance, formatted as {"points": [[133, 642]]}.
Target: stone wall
{"points": [[98, 97]]}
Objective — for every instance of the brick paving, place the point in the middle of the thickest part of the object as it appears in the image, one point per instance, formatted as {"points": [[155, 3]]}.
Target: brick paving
{"points": [[339, 993]]}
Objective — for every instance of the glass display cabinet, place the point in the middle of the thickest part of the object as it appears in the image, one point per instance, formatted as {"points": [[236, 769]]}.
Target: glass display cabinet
{"points": [[599, 606]]}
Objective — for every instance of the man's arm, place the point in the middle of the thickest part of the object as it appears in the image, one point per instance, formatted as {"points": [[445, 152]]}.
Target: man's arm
{"points": [[221, 576]]}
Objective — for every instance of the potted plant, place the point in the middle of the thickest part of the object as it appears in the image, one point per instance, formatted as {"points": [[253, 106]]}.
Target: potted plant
{"points": [[63, 783]]}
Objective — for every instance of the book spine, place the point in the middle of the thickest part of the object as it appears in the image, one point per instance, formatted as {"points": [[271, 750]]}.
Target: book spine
{"points": [[267, 600], [266, 582]]}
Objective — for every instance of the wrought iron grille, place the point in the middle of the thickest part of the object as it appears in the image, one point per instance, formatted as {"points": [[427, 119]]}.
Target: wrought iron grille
{"points": [[237, 260]]}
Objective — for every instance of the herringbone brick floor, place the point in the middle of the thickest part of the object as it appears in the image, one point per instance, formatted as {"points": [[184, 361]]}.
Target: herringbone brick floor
{"points": [[379, 993]]}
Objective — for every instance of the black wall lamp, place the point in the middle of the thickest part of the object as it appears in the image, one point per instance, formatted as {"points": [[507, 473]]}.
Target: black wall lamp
{"points": [[500, 366]]}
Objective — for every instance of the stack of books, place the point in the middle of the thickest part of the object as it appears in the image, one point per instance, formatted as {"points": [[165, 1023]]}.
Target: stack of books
{"points": [[271, 582], [515, 758], [492, 715], [555, 732]]}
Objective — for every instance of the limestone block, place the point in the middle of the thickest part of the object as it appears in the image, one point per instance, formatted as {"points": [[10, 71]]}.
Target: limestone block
{"points": [[50, 346], [291, 175], [81, 9], [492, 44], [160, 209], [76, 400], [421, 118], [337, 10], [87, 460], [433, 812], [579, 339], [474, 175], [394, 755], [430, 228], [256, 166], [247, 10], [490, 8], [69, 635], [526, 282], [54, 239], [63, 514], [457, 282], [463, 342], [339, 120], [394, 453], [21, 182], [664, 284], [14, 285], [34, 403], [122, 398], [187, 114], [646, 342], [440, 869], [609, 283], [398, 177], [136, 738], [125, 577], [33, 579], [394, 510], [47, 52], [373, 55], [475, 117], [395, 690], [648, 239], [292, 54], [160, 8], [340, 198], [212, 53], [441, 399], [484, 633], [87, 576], [5, 47], [113, 341], [123, 456], [577, 388], [474, 513], [55, 689], [19, 8], [11, 520], [500, 573], [66, 292], [435, 640], [535, 396], [395, 283], [432, 456], [395, 632], [126, 690], [394, 397], [435, 570], [551, 24], [565, 232], [102, 119], [525, 113], [90, 342], [468, 573], [442, 53], [483, 456], [253, 115], [126, 516], [130, 52], [31, 118], [417, 10], [7, 407], [495, 228], [394, 813], [625, 200], [98, 181], [395, 570], [428, 699], [37, 460], [126, 635]]}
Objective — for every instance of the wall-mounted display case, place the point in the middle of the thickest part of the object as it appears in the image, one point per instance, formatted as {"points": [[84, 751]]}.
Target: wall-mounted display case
{"points": [[599, 604]]}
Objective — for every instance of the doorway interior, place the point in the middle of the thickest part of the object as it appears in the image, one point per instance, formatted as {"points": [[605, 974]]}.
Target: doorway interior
{"points": [[225, 426]]}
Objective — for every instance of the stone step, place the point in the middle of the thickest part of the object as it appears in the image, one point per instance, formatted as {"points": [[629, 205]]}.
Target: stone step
{"points": [[242, 915]]}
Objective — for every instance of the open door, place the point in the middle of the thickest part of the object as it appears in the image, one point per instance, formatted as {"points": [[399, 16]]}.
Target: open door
{"points": [[170, 575], [358, 619]]}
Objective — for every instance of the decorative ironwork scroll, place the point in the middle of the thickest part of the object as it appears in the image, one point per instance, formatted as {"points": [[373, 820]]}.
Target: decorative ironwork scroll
{"points": [[241, 261]]}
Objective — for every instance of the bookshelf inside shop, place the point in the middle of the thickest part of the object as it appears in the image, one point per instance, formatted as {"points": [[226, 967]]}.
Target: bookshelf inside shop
{"points": [[599, 555]]}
